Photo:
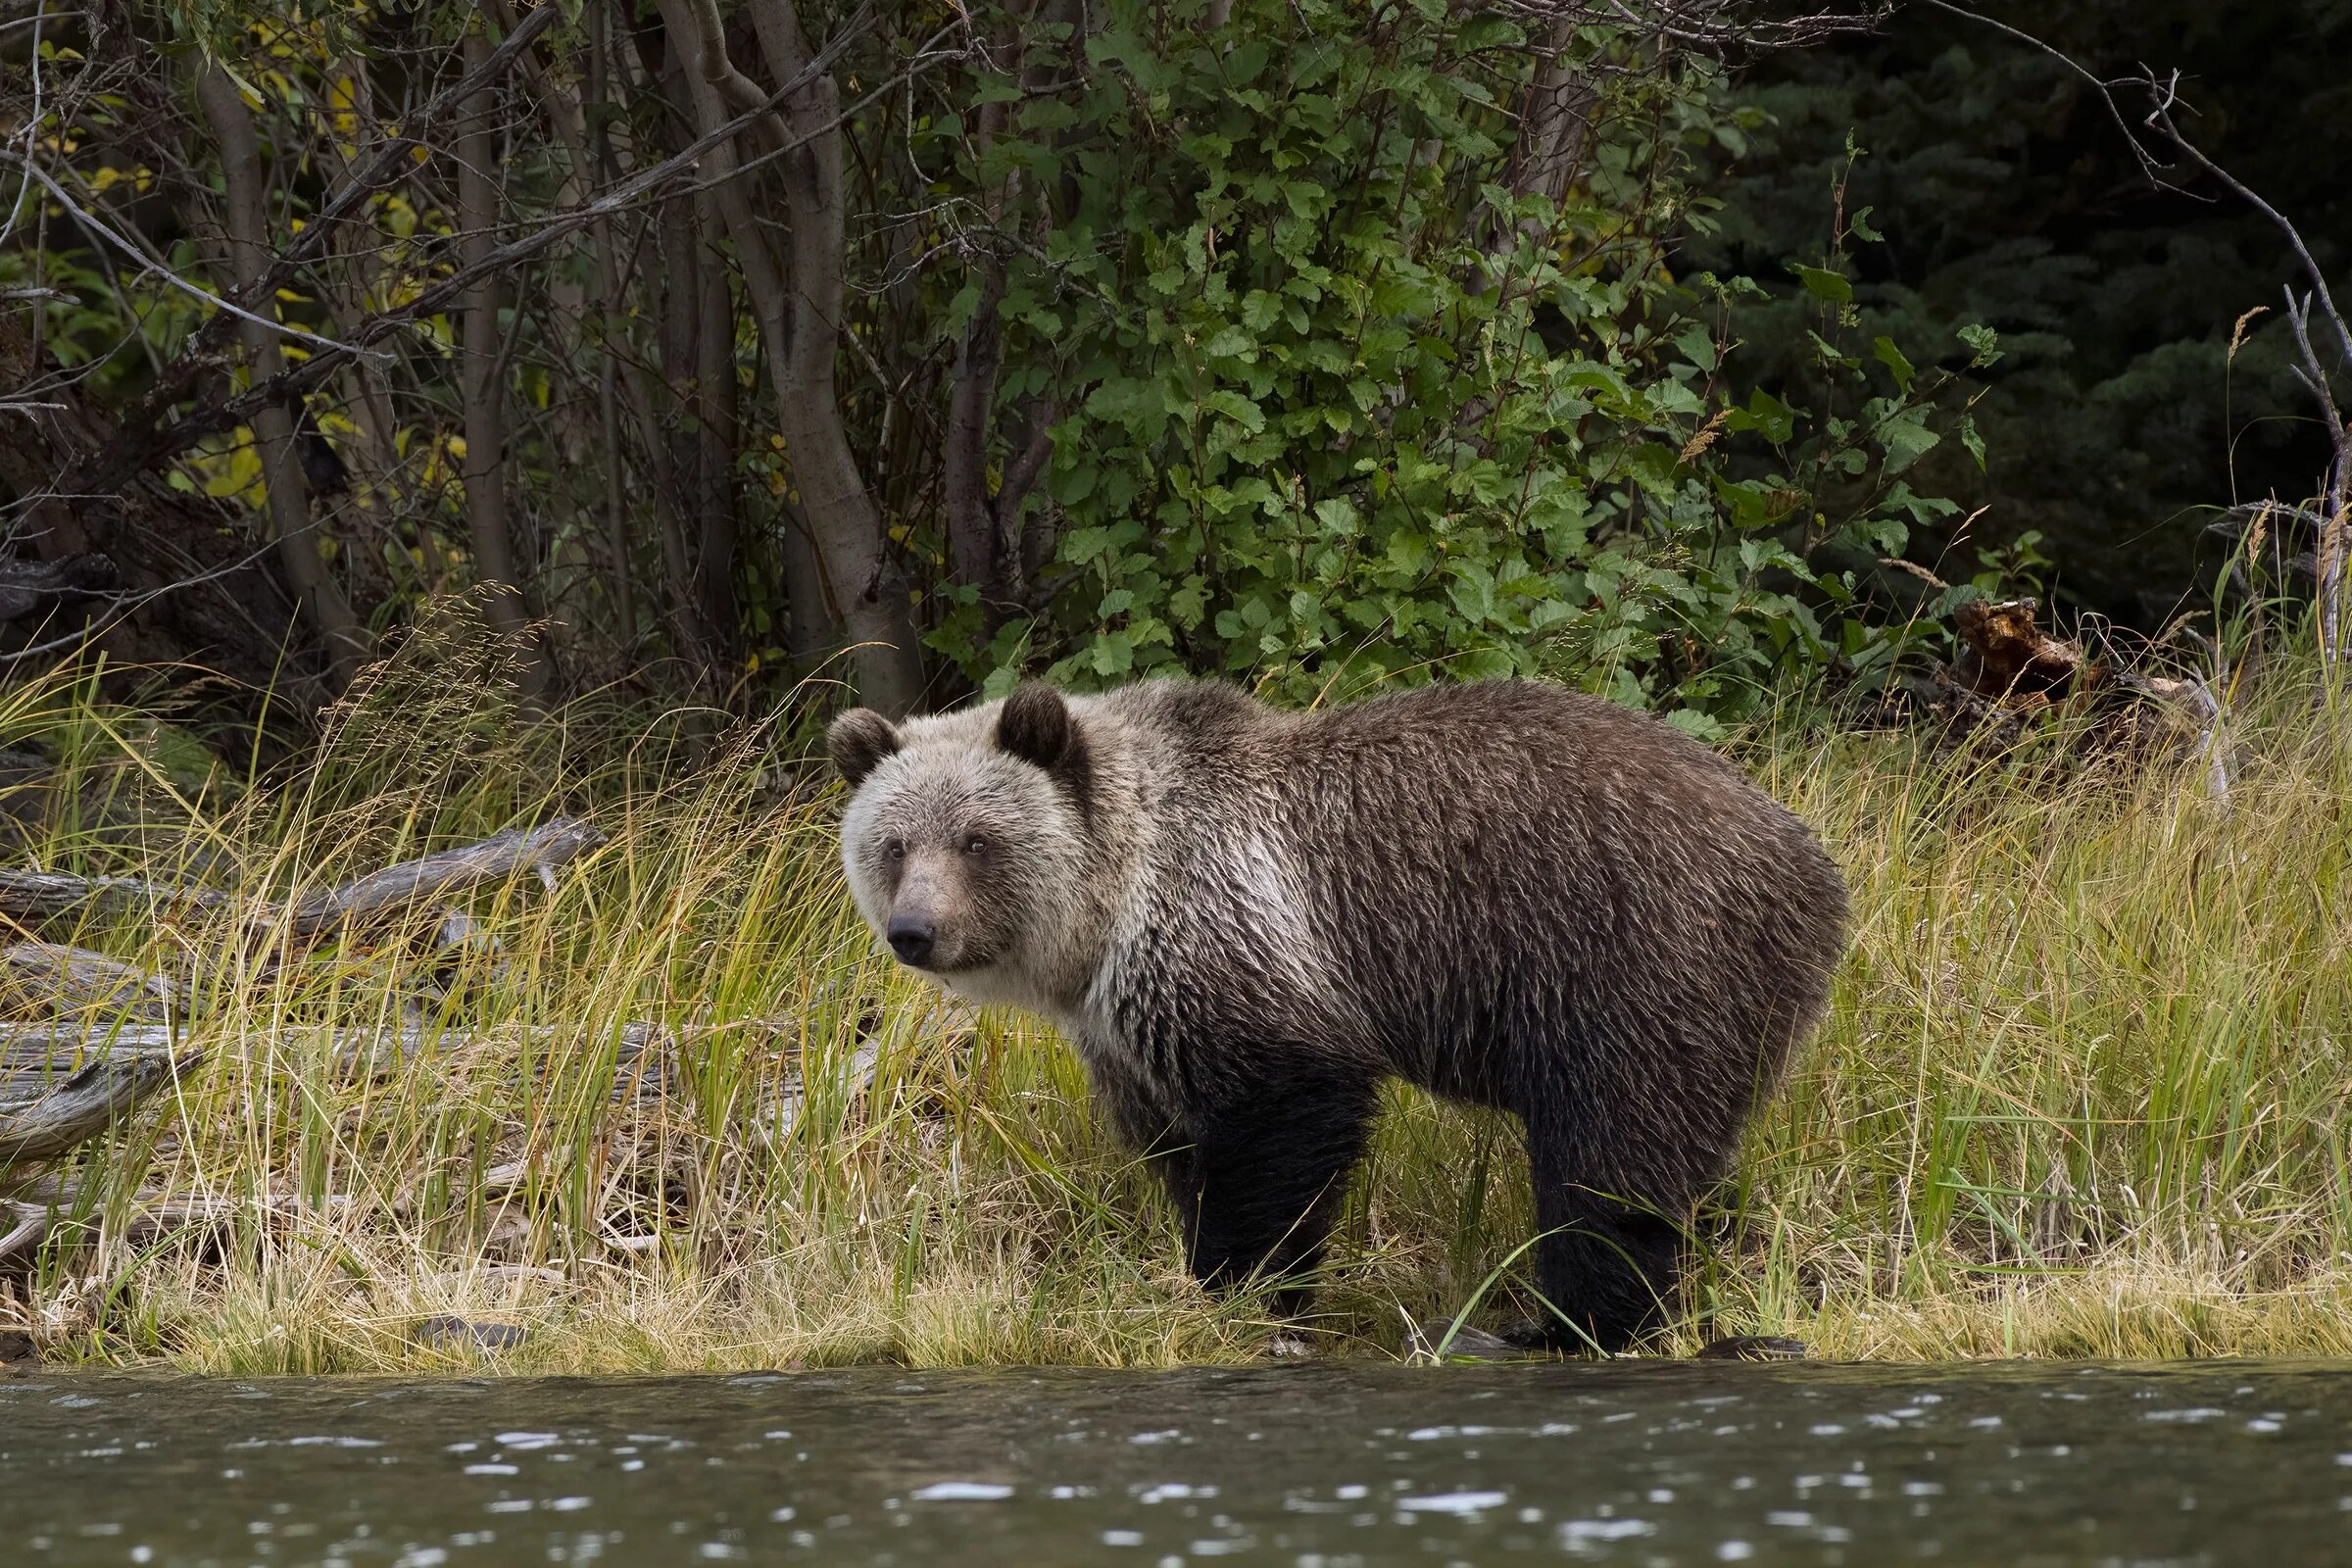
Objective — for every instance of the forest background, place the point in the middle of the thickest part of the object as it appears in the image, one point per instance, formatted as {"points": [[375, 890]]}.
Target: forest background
{"points": [[1300, 344]]}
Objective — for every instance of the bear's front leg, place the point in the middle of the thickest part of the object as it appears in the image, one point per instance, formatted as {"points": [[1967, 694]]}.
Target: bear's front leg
{"points": [[1262, 1178]]}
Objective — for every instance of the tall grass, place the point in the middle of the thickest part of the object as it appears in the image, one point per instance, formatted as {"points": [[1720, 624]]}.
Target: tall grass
{"points": [[2082, 1090]]}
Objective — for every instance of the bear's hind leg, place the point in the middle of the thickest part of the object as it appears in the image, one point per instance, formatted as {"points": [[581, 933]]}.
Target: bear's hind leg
{"points": [[1266, 1173], [1608, 1266]]}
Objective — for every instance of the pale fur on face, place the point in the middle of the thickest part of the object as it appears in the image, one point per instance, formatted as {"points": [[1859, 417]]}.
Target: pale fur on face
{"points": [[986, 846]]}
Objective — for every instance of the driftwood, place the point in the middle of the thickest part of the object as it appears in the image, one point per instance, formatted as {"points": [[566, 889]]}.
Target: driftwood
{"points": [[116, 1034], [44, 978], [50, 894], [36, 1052], [398, 889], [440, 876], [42, 1117]]}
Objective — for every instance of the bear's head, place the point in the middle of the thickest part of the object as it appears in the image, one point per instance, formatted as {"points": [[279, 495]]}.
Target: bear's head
{"points": [[965, 837]]}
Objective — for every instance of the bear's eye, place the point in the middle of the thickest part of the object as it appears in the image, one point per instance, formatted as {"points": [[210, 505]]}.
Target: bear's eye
{"points": [[974, 845], [896, 849]]}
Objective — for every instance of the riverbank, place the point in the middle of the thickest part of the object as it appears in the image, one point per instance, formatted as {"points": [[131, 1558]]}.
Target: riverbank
{"points": [[2081, 1092]]}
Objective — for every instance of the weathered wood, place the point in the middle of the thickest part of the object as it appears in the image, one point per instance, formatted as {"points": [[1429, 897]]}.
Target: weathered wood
{"points": [[49, 979], [791, 1097], [42, 1117], [30, 586], [34, 1054], [47, 895], [439, 876], [32, 1224]]}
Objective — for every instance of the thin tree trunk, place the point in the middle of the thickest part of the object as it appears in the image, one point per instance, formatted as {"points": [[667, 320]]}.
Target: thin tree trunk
{"points": [[1556, 122], [607, 299], [684, 246], [715, 416], [976, 552], [245, 217], [862, 579], [714, 81], [482, 382], [986, 549], [359, 269]]}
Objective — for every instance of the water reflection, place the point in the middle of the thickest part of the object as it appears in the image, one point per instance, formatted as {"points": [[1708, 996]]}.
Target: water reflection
{"points": [[1663, 1464]]}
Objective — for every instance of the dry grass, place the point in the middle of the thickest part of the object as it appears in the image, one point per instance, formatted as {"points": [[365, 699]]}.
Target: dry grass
{"points": [[2083, 1092]]}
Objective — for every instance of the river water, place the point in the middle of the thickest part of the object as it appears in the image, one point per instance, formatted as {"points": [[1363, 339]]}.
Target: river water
{"points": [[1315, 1465]]}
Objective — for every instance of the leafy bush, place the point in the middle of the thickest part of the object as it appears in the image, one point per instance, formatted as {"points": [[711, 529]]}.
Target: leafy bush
{"points": [[1338, 405]]}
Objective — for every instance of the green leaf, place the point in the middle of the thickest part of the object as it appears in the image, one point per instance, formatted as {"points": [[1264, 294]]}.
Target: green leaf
{"points": [[1970, 440], [1696, 724], [1338, 515], [1907, 438], [1982, 342], [1824, 284], [1238, 409], [1697, 344], [1113, 654], [1231, 343], [1893, 358], [1765, 415]]}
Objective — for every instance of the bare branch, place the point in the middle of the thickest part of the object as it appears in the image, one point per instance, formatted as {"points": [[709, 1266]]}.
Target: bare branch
{"points": [[134, 449]]}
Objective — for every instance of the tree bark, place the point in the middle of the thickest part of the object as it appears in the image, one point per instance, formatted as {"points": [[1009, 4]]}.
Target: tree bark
{"points": [[714, 83], [862, 580], [1554, 122], [716, 401], [246, 222], [482, 384], [608, 298], [976, 551]]}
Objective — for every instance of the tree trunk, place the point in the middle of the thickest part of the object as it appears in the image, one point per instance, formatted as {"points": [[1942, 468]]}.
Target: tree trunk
{"points": [[1554, 123], [245, 220], [483, 385], [976, 551], [862, 580], [716, 429], [609, 301]]}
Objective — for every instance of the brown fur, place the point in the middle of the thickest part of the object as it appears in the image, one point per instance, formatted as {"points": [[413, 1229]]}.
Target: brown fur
{"points": [[1509, 894]]}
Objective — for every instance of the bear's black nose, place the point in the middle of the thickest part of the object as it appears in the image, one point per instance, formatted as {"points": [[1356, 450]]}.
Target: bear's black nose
{"points": [[910, 938]]}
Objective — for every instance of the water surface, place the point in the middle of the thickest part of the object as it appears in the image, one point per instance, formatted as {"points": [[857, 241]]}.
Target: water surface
{"points": [[1315, 1466]]}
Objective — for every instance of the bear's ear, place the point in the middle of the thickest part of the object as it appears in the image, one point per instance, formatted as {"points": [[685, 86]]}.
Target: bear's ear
{"points": [[857, 741], [1035, 725]]}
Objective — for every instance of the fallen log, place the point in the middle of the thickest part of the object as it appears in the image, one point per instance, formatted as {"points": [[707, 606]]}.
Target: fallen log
{"points": [[49, 894], [379, 894], [439, 876], [42, 1117], [37, 1053], [792, 1098], [33, 1223], [50, 979]]}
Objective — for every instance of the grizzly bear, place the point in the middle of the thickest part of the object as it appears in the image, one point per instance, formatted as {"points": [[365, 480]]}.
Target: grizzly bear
{"points": [[1244, 919]]}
